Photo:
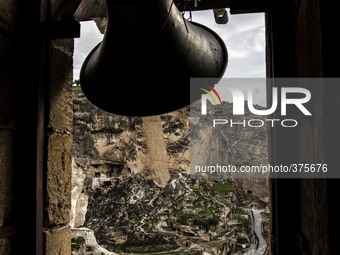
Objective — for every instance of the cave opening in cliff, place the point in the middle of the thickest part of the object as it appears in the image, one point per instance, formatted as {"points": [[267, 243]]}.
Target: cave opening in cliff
{"points": [[131, 186]]}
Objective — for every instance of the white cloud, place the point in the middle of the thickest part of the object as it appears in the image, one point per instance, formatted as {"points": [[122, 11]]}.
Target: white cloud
{"points": [[244, 36], [89, 38]]}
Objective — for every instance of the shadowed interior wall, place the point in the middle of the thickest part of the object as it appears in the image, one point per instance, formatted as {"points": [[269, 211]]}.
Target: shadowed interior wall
{"points": [[58, 135], [303, 45], [7, 128], [35, 133]]}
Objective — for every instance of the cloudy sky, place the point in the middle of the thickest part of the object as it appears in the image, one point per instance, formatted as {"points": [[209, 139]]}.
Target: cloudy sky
{"points": [[244, 36]]}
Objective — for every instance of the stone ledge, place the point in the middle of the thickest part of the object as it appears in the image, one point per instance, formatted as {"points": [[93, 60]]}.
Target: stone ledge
{"points": [[58, 241]]}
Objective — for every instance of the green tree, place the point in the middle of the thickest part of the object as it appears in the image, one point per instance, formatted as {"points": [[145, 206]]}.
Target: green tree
{"points": [[76, 82]]}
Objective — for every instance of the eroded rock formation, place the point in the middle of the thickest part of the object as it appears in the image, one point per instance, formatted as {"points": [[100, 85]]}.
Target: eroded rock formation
{"points": [[131, 186]]}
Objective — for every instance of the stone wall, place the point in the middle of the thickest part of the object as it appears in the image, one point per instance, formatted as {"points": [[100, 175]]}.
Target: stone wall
{"points": [[19, 131], [8, 14], [59, 144], [6, 153], [7, 125]]}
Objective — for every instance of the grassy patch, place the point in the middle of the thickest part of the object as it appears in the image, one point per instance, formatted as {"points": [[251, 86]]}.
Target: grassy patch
{"points": [[76, 243], [265, 216], [149, 246], [240, 211], [206, 223], [223, 201], [184, 218], [197, 204], [77, 89], [223, 188], [247, 224]]}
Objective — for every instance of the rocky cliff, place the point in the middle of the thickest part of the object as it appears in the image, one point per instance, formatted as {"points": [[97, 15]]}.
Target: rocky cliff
{"points": [[133, 192]]}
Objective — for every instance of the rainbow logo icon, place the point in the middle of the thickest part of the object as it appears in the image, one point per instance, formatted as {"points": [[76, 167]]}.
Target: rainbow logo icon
{"points": [[208, 91]]}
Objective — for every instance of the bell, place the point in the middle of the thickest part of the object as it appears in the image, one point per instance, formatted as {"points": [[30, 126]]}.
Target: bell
{"points": [[147, 56]]}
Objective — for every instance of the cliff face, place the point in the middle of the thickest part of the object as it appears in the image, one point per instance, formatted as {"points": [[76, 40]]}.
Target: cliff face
{"points": [[131, 186], [231, 142], [149, 146]]}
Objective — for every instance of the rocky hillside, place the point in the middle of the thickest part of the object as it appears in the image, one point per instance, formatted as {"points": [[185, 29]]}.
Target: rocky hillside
{"points": [[132, 192], [227, 144]]}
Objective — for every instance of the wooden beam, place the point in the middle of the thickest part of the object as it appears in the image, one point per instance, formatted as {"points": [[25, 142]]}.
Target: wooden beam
{"points": [[89, 9], [249, 6], [71, 8], [199, 5]]}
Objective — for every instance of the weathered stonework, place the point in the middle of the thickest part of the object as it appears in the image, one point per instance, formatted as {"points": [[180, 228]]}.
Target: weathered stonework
{"points": [[58, 179], [58, 241], [7, 135], [6, 186], [60, 96], [59, 145], [8, 10], [79, 200], [6, 182], [84, 242]]}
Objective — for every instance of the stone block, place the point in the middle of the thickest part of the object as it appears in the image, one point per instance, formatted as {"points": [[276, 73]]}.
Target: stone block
{"points": [[6, 176], [60, 99], [5, 246], [6, 91], [58, 179], [8, 14], [58, 241]]}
